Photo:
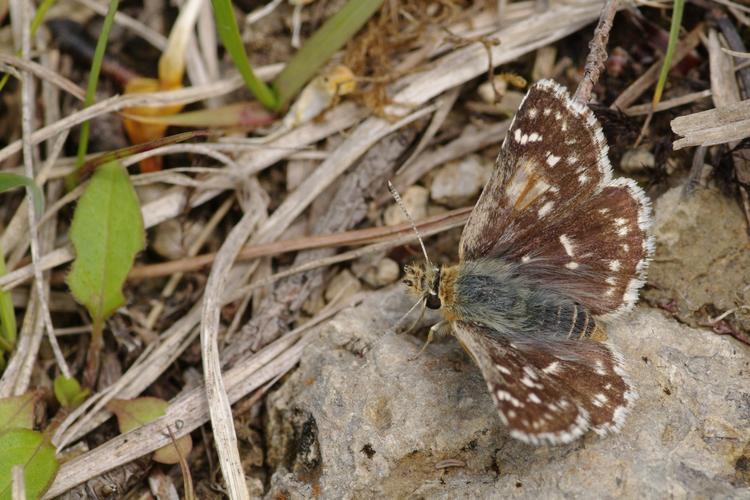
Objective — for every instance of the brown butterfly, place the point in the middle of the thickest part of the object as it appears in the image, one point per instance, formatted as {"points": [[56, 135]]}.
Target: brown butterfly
{"points": [[553, 248]]}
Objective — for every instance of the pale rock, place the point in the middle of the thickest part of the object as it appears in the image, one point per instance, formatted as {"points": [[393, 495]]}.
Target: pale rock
{"points": [[359, 419], [342, 285], [384, 272], [297, 171], [415, 202], [173, 238], [459, 182], [637, 160], [487, 94], [701, 256]]}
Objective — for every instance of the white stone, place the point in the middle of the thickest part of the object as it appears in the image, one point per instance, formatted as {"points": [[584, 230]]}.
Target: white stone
{"points": [[343, 285], [415, 201], [459, 182], [637, 160], [385, 272]]}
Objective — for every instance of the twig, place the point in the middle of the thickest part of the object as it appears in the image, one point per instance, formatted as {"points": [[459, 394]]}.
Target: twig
{"points": [[597, 53], [696, 169], [346, 238]]}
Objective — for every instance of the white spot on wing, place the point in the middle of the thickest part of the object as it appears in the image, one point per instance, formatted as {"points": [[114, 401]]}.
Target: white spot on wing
{"points": [[567, 244], [572, 265], [552, 368], [552, 159], [600, 400], [614, 265], [502, 369], [546, 208], [517, 135]]}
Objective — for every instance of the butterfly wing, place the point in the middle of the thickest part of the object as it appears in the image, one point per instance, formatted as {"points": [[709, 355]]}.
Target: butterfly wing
{"points": [[550, 395], [552, 206]]}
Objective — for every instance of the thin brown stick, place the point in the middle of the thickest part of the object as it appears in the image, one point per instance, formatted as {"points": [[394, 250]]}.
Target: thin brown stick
{"points": [[597, 52], [346, 238]]}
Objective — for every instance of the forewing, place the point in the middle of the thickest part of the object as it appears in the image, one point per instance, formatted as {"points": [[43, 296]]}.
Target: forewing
{"points": [[550, 392], [552, 207], [554, 155]]}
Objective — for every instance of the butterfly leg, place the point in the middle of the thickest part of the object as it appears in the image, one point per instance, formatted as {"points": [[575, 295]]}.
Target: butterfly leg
{"points": [[438, 328]]}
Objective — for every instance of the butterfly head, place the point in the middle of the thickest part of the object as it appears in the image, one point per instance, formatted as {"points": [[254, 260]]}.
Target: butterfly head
{"points": [[424, 282]]}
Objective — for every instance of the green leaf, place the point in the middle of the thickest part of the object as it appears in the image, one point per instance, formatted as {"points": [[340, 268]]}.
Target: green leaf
{"points": [[132, 413], [17, 412], [32, 451], [107, 233], [68, 392], [316, 51], [10, 181], [226, 25]]}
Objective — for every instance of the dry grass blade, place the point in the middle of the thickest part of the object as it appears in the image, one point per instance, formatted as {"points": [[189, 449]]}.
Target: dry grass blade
{"points": [[44, 73], [190, 410], [650, 77], [715, 126], [218, 402], [117, 103], [346, 238], [644, 109]]}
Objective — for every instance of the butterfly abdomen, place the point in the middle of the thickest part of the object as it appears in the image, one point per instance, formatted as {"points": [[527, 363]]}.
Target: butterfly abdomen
{"points": [[490, 292]]}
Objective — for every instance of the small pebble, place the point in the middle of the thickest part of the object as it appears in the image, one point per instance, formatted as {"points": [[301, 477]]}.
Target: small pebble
{"points": [[343, 285], [415, 201], [457, 183], [385, 272], [172, 239], [637, 160]]}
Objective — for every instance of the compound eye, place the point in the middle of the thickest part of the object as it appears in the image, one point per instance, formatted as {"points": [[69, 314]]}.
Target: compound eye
{"points": [[433, 301]]}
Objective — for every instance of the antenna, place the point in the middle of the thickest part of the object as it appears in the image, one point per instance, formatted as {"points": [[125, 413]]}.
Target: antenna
{"points": [[401, 205]]}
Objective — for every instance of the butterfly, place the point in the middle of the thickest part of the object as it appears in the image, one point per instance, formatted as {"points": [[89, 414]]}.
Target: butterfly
{"points": [[554, 248]]}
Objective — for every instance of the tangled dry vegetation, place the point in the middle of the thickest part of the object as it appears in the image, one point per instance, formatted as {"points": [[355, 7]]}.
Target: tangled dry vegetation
{"points": [[256, 237]]}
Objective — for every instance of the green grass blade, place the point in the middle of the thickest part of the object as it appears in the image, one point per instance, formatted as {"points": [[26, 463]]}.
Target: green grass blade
{"points": [[8, 327], [39, 16], [674, 33], [10, 181], [96, 66], [334, 33], [226, 24]]}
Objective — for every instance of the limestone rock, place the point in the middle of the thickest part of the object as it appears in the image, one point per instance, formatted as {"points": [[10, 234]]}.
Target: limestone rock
{"points": [[358, 419], [701, 258]]}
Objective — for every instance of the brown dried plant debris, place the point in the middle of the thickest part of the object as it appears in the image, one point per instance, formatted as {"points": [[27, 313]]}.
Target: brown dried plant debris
{"points": [[400, 28]]}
